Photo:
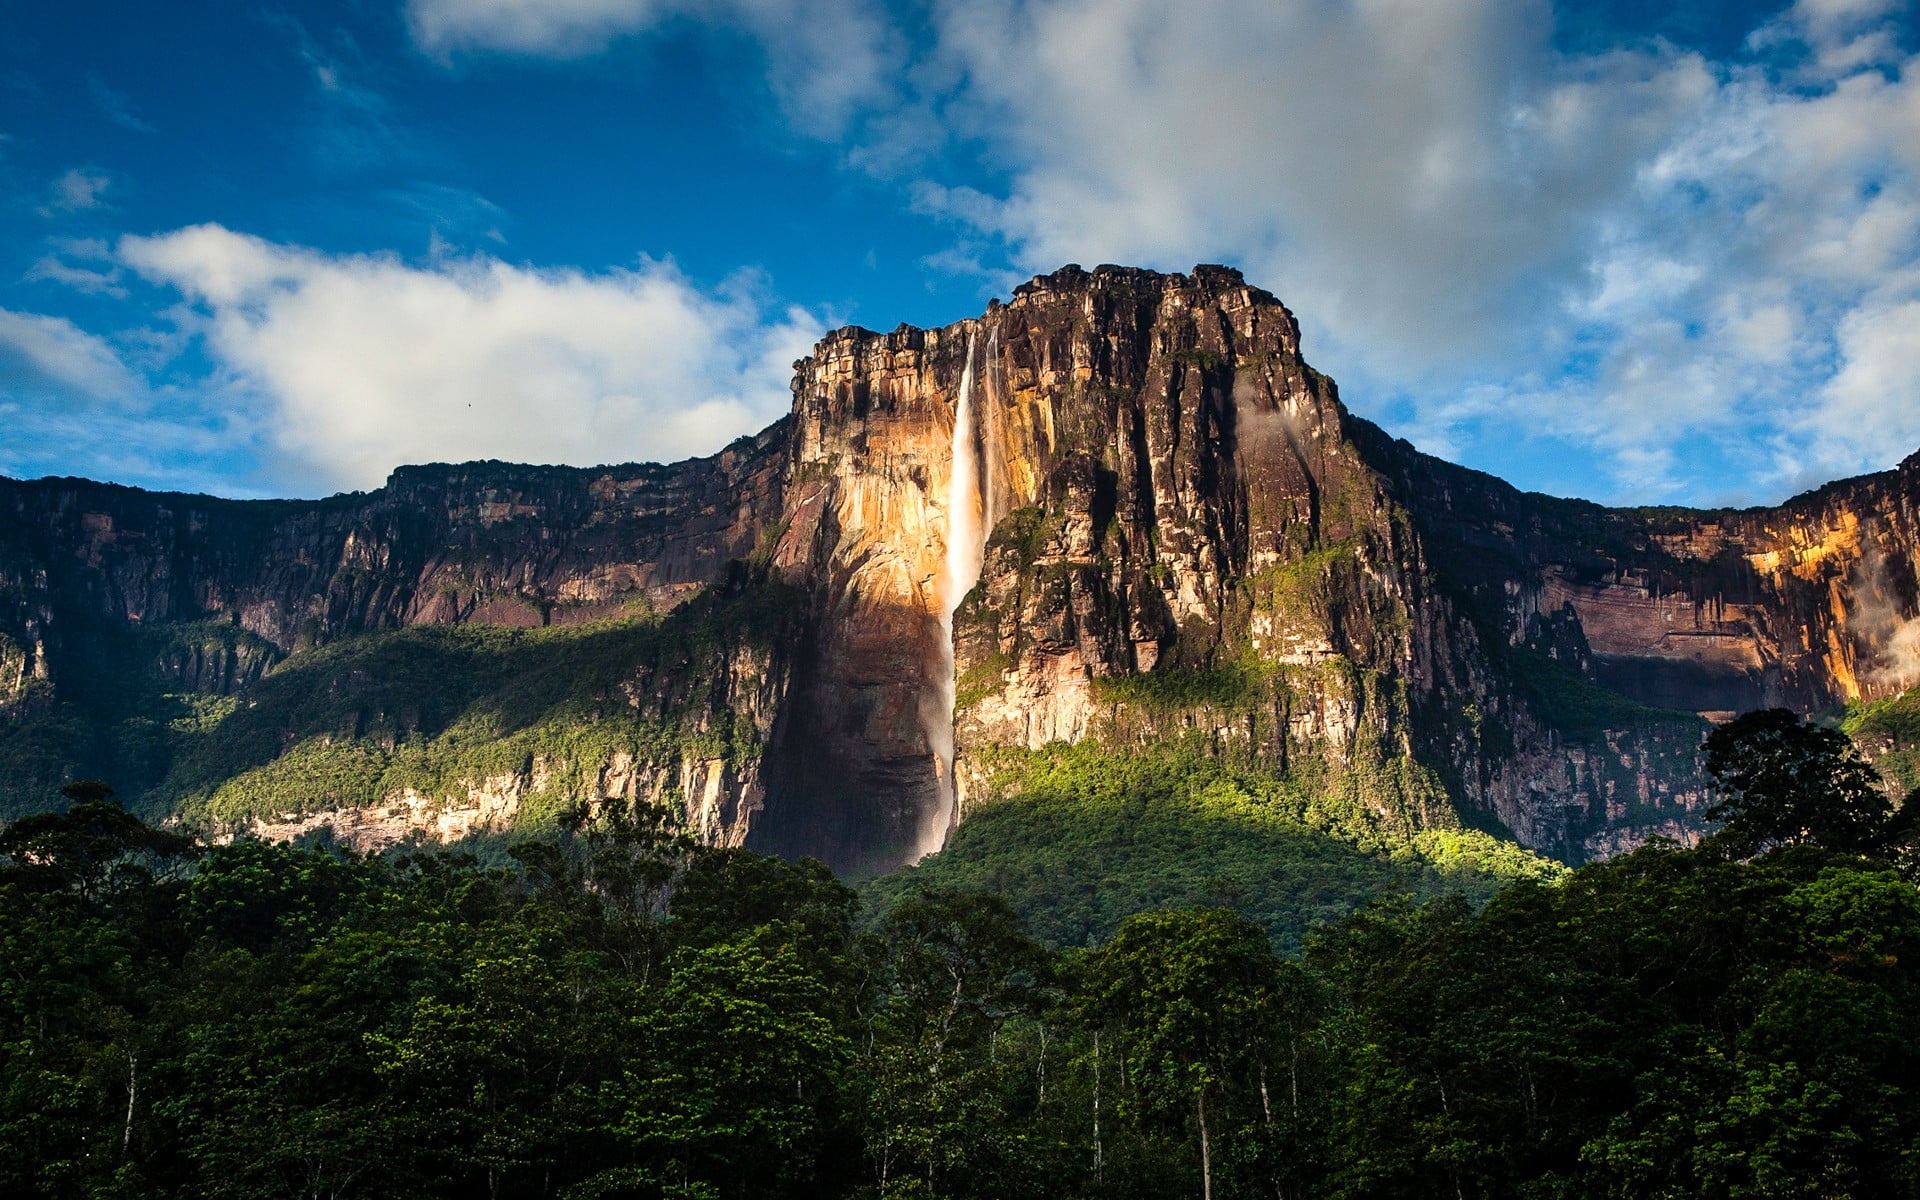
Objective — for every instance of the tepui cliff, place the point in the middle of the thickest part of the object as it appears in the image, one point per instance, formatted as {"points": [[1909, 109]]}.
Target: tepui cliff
{"points": [[1120, 509]]}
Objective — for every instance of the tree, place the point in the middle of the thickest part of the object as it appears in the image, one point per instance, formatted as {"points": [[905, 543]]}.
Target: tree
{"points": [[956, 968], [94, 845], [1783, 781], [729, 1096], [725, 892], [1188, 994], [484, 1081], [609, 874]]}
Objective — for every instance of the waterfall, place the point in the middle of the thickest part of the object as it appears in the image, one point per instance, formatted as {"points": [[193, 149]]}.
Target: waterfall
{"points": [[966, 546]]}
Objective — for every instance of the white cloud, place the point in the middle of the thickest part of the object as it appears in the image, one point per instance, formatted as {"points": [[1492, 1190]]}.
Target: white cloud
{"points": [[76, 190], [42, 353], [561, 28], [52, 268], [1826, 18], [1684, 268], [360, 363], [826, 58], [1630, 251], [1407, 171], [1871, 406]]}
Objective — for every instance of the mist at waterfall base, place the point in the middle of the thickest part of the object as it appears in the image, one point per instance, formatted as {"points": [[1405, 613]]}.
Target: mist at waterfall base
{"points": [[960, 569]]}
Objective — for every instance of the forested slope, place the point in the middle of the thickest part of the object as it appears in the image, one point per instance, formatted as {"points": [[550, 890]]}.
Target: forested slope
{"points": [[623, 1012]]}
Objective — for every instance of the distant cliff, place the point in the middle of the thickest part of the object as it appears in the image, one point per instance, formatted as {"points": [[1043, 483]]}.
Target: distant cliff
{"points": [[1183, 538]]}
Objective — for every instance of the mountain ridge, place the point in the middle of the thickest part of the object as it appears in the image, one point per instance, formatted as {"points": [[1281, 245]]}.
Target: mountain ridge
{"points": [[1207, 542]]}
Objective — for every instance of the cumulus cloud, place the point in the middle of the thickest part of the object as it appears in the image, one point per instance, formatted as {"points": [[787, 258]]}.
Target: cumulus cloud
{"points": [[1687, 269], [1641, 251], [1407, 169], [1871, 406], [1624, 250], [355, 364], [826, 58]]}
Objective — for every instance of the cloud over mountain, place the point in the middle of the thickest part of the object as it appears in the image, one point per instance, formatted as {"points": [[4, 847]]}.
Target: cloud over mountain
{"points": [[356, 363]]}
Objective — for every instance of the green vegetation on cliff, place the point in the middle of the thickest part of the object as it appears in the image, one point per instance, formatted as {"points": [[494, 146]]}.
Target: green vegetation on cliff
{"points": [[438, 710], [1085, 837], [1578, 708], [1889, 731], [128, 697]]}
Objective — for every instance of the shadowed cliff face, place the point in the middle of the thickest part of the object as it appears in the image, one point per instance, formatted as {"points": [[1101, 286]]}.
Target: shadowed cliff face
{"points": [[1185, 538], [123, 613], [483, 542]]}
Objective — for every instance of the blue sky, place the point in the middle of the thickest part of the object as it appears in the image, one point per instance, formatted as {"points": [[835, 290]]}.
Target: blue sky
{"points": [[1642, 252]]}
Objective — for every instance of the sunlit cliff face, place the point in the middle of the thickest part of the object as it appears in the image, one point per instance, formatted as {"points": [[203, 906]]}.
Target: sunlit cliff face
{"points": [[886, 512]]}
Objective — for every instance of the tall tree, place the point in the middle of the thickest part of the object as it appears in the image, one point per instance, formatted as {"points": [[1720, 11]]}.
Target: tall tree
{"points": [[954, 969], [1784, 781], [1188, 995]]}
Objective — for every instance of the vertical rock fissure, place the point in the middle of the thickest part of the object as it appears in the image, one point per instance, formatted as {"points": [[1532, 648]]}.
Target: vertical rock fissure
{"points": [[959, 571]]}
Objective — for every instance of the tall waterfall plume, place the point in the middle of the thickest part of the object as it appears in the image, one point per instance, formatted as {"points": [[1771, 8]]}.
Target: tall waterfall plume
{"points": [[960, 570]]}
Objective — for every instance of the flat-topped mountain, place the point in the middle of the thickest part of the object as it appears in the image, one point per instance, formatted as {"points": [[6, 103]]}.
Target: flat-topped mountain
{"points": [[1118, 510]]}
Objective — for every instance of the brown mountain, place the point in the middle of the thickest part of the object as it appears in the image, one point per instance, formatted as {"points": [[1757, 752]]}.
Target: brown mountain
{"points": [[1180, 536]]}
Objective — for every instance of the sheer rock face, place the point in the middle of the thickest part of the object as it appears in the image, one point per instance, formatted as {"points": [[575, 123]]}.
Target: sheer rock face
{"points": [[863, 531], [1802, 605], [489, 542], [1190, 539]]}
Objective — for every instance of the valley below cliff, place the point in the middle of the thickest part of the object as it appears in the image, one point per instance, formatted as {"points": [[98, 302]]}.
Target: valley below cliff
{"points": [[1117, 519]]}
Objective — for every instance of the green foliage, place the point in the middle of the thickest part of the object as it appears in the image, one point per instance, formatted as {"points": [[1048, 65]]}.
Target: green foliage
{"points": [[743, 1049], [1299, 589], [940, 1107], [1086, 838], [120, 710], [1025, 531], [441, 710], [1579, 708], [980, 680], [1784, 781], [1889, 730], [1173, 690], [1199, 357], [1187, 998], [438, 710], [1653, 1028], [624, 1013], [94, 844]]}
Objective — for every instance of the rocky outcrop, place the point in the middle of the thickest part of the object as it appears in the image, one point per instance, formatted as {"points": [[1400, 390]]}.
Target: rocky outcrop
{"points": [[106, 589], [1808, 604], [1200, 543], [1186, 538], [716, 798]]}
